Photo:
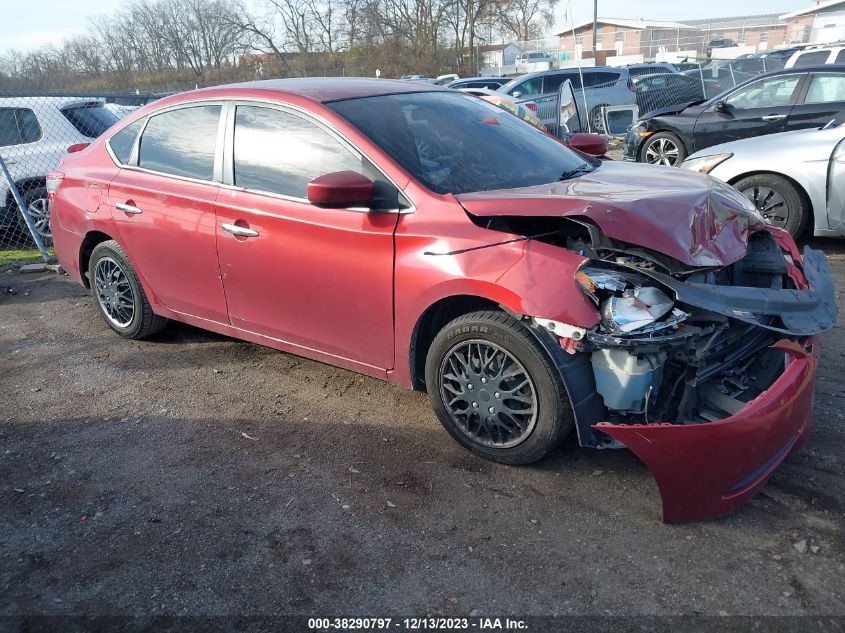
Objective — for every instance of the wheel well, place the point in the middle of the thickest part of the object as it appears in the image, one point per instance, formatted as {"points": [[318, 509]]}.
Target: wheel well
{"points": [[24, 185], [811, 219], [88, 244], [432, 321], [651, 136]]}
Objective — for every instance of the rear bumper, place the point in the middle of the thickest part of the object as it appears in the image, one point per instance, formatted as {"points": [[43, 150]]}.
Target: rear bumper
{"points": [[706, 470]]}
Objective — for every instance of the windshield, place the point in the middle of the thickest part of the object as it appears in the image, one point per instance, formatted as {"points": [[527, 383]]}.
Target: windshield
{"points": [[454, 143]]}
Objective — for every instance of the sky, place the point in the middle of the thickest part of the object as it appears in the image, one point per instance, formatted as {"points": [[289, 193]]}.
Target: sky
{"points": [[28, 25]]}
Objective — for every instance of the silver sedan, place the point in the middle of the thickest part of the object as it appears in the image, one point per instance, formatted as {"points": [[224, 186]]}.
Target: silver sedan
{"points": [[795, 179]]}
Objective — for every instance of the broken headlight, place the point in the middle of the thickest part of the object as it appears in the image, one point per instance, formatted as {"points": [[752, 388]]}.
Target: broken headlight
{"points": [[626, 304]]}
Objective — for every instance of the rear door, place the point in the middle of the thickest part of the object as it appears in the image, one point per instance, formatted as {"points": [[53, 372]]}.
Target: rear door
{"points": [[761, 107], [163, 209], [822, 100]]}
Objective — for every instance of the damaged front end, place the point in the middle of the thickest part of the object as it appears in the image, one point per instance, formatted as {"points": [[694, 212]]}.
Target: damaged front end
{"points": [[705, 374], [703, 357]]}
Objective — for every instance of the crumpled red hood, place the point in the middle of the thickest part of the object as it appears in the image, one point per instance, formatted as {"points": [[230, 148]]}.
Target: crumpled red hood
{"points": [[693, 218]]}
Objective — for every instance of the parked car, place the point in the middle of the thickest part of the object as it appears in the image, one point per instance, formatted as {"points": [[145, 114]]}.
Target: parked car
{"points": [[34, 133], [789, 99], [816, 56], [414, 234], [720, 43], [639, 70], [534, 61], [719, 77], [654, 92], [491, 83], [604, 86], [795, 179]]}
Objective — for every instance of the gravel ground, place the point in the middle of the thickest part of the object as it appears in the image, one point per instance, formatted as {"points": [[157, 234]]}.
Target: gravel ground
{"points": [[196, 474]]}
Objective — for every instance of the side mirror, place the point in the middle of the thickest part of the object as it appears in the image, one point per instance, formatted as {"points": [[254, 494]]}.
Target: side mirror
{"points": [[590, 144], [516, 94], [720, 106], [341, 189]]}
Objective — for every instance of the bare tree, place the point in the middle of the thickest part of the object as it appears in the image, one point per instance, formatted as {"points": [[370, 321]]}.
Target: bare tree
{"points": [[525, 19]]}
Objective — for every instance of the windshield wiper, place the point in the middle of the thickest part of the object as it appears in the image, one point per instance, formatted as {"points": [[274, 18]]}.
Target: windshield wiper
{"points": [[586, 168]]}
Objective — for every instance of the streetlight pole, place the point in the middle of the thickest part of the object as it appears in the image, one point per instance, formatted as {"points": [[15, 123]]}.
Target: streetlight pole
{"points": [[595, 25]]}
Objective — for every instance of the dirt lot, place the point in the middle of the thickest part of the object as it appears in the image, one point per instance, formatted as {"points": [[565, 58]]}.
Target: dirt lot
{"points": [[196, 474]]}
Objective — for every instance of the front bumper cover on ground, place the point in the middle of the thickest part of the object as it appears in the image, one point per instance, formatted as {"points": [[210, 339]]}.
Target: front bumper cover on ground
{"points": [[709, 469]]}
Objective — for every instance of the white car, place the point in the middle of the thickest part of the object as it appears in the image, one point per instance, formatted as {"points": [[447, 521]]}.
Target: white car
{"points": [[816, 56], [34, 133], [795, 179]]}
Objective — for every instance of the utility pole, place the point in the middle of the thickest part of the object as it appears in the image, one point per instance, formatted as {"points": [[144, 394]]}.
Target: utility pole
{"points": [[595, 25]]}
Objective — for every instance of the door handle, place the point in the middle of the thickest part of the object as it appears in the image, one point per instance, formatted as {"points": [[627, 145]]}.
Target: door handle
{"points": [[127, 208], [774, 117], [240, 231]]}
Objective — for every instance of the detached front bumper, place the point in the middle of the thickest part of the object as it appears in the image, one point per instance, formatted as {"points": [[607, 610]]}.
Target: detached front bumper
{"points": [[709, 469]]}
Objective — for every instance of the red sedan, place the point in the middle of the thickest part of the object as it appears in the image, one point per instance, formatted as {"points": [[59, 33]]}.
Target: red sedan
{"points": [[416, 235]]}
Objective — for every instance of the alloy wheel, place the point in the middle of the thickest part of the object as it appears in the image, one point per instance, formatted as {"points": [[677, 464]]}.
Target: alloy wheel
{"points": [[488, 393], [770, 204], [114, 292], [663, 151], [39, 211]]}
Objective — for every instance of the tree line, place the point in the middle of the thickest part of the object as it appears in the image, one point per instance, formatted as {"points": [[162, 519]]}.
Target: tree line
{"points": [[176, 44]]}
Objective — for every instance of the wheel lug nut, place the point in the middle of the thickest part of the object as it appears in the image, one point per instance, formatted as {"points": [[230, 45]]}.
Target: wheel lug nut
{"points": [[492, 409], [474, 405], [497, 394], [483, 381], [469, 385]]}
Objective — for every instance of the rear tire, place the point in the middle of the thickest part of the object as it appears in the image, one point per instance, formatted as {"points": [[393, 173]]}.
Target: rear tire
{"points": [[35, 199], [778, 201], [119, 295], [496, 390]]}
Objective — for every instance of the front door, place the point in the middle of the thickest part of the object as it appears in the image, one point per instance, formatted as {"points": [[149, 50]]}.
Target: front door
{"points": [[163, 210], [761, 107], [316, 278]]}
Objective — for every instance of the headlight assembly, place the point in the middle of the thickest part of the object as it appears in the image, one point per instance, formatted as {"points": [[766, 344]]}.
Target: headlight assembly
{"points": [[626, 304], [706, 164]]}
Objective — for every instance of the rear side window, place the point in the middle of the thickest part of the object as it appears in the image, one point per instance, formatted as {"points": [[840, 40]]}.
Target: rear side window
{"points": [[18, 126], [280, 152], [826, 89], [121, 144], [90, 120], [810, 59], [593, 79], [840, 57], [181, 142]]}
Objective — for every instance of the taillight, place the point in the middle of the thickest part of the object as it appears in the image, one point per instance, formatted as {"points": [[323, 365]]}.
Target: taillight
{"points": [[531, 106], [54, 179], [77, 147], [632, 86]]}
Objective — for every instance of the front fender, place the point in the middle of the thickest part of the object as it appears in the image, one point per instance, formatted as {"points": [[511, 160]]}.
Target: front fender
{"points": [[526, 277]]}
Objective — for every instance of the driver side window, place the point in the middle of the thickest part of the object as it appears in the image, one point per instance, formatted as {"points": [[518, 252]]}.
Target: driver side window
{"points": [[280, 152], [775, 92], [530, 87]]}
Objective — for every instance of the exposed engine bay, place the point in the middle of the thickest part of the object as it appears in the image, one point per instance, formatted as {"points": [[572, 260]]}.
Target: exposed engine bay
{"points": [[676, 343]]}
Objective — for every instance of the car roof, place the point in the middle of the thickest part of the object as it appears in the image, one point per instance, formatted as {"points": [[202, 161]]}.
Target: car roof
{"points": [[639, 78], [490, 78], [573, 69], [321, 89]]}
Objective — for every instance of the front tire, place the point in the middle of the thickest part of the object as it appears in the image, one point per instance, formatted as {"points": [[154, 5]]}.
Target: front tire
{"points": [[778, 201], [663, 148], [120, 298], [496, 390]]}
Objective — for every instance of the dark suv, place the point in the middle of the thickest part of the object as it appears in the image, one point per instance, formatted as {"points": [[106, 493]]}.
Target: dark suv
{"points": [[603, 85]]}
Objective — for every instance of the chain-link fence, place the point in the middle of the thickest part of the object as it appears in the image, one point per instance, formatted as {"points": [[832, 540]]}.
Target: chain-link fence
{"points": [[36, 130]]}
